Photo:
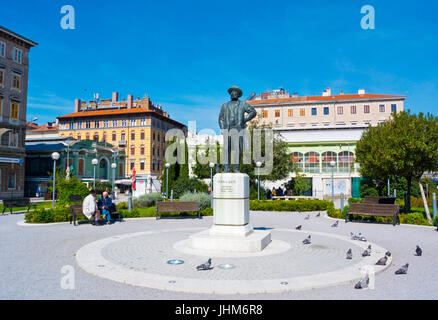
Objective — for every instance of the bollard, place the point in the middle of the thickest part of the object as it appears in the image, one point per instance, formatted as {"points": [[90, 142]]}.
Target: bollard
{"points": [[395, 193], [434, 205]]}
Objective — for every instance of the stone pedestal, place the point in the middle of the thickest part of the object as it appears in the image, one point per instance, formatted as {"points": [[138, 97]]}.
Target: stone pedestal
{"points": [[231, 230]]}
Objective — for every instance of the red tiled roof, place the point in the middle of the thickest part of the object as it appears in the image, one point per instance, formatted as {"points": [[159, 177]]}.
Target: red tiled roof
{"points": [[44, 127], [111, 112], [327, 98]]}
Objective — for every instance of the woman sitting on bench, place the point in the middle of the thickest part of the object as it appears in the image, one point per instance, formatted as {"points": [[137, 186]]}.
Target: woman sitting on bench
{"points": [[105, 205]]}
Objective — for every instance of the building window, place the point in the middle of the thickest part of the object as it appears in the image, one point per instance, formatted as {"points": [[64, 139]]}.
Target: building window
{"points": [[142, 150], [311, 162], [114, 136], [79, 125], [14, 110], [16, 81], [11, 180], [326, 111], [353, 110], [382, 108], [265, 113], [79, 136], [2, 49], [132, 135], [133, 122], [298, 159], [105, 124], [87, 136], [123, 136], [314, 112], [121, 170], [393, 108], [124, 123], [132, 165], [327, 157], [346, 161], [153, 165], [96, 124], [132, 151], [153, 136], [340, 110], [114, 123], [142, 165], [142, 121], [17, 55], [2, 73], [302, 112], [104, 137], [142, 135], [71, 125], [96, 137], [290, 113], [81, 167], [366, 109], [88, 125], [277, 113]]}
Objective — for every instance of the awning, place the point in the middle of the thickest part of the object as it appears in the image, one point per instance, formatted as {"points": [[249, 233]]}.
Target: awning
{"points": [[12, 160]]}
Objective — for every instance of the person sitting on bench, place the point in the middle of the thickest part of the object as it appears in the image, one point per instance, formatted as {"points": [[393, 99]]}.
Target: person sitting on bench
{"points": [[89, 207], [105, 205]]}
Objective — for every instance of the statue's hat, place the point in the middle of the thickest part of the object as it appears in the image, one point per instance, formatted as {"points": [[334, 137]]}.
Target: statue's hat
{"points": [[235, 88]]}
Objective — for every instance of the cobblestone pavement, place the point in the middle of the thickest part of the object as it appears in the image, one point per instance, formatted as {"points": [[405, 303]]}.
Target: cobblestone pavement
{"points": [[31, 258]]}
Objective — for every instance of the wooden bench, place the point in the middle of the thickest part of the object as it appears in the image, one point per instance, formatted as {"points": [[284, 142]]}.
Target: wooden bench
{"points": [[17, 203], [371, 209], [179, 206], [380, 200], [76, 211]]}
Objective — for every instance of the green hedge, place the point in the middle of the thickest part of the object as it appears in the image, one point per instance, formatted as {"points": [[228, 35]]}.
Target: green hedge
{"points": [[299, 205]]}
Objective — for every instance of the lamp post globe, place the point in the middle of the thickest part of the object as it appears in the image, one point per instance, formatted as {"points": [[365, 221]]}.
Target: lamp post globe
{"points": [[55, 156], [94, 162]]}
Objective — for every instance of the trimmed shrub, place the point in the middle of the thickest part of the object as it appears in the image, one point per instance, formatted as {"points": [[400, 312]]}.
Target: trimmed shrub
{"points": [[184, 185], [146, 200], [66, 188], [203, 199], [253, 193], [300, 205]]}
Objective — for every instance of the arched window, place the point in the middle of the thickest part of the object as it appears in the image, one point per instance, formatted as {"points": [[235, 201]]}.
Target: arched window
{"points": [[114, 136], [123, 136], [311, 162], [87, 136], [132, 150], [346, 161], [81, 167], [298, 159], [327, 157], [142, 150], [96, 137]]}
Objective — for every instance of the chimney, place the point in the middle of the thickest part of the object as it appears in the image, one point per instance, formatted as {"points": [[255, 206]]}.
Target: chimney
{"points": [[295, 95], [78, 105], [115, 97], [361, 91], [327, 92], [342, 93], [130, 100]]}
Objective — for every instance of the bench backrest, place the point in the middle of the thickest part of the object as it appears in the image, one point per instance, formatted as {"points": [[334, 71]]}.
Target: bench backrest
{"points": [[76, 209], [75, 198], [374, 209], [16, 202], [179, 206]]}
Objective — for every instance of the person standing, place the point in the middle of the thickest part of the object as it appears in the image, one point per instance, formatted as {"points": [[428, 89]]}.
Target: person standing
{"points": [[89, 207]]}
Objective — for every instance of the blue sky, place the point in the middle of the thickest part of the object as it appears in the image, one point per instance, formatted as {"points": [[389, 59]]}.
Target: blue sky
{"points": [[185, 54]]}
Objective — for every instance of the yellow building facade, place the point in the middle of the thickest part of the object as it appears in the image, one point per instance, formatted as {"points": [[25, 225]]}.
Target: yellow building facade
{"points": [[136, 126]]}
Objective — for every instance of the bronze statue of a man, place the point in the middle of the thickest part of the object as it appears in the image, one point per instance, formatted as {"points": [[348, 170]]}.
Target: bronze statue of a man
{"points": [[234, 115]]}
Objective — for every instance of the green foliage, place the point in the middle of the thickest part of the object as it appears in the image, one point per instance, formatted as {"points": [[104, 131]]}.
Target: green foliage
{"points": [[183, 185], [203, 199], [406, 146], [146, 200], [151, 212], [300, 205], [47, 216], [68, 187], [103, 186], [253, 193], [299, 184], [122, 205]]}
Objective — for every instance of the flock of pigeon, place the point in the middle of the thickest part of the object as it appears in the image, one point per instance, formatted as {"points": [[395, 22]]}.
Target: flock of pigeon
{"points": [[364, 282]]}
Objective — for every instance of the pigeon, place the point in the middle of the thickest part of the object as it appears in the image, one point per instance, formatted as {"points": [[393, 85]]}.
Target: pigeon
{"points": [[204, 266], [382, 261], [360, 237], [335, 224], [363, 283], [299, 227], [307, 240], [307, 217], [319, 214], [403, 269], [349, 254], [353, 236], [367, 252], [418, 251], [388, 253]]}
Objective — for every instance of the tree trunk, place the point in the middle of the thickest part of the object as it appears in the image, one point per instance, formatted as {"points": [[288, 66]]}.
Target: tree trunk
{"points": [[426, 206], [408, 195]]}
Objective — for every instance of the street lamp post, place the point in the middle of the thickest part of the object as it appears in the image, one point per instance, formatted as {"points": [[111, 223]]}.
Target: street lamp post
{"points": [[333, 164], [94, 162], [258, 164], [113, 166], [211, 183], [167, 180], [55, 157]]}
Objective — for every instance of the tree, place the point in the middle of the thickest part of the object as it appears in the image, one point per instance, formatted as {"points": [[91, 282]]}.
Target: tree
{"points": [[405, 146]]}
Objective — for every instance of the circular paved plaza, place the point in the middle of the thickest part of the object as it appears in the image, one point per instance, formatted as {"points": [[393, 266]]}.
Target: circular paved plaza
{"points": [[128, 260]]}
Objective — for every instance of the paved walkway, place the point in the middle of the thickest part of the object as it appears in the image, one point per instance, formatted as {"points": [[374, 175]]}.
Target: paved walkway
{"points": [[32, 258]]}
